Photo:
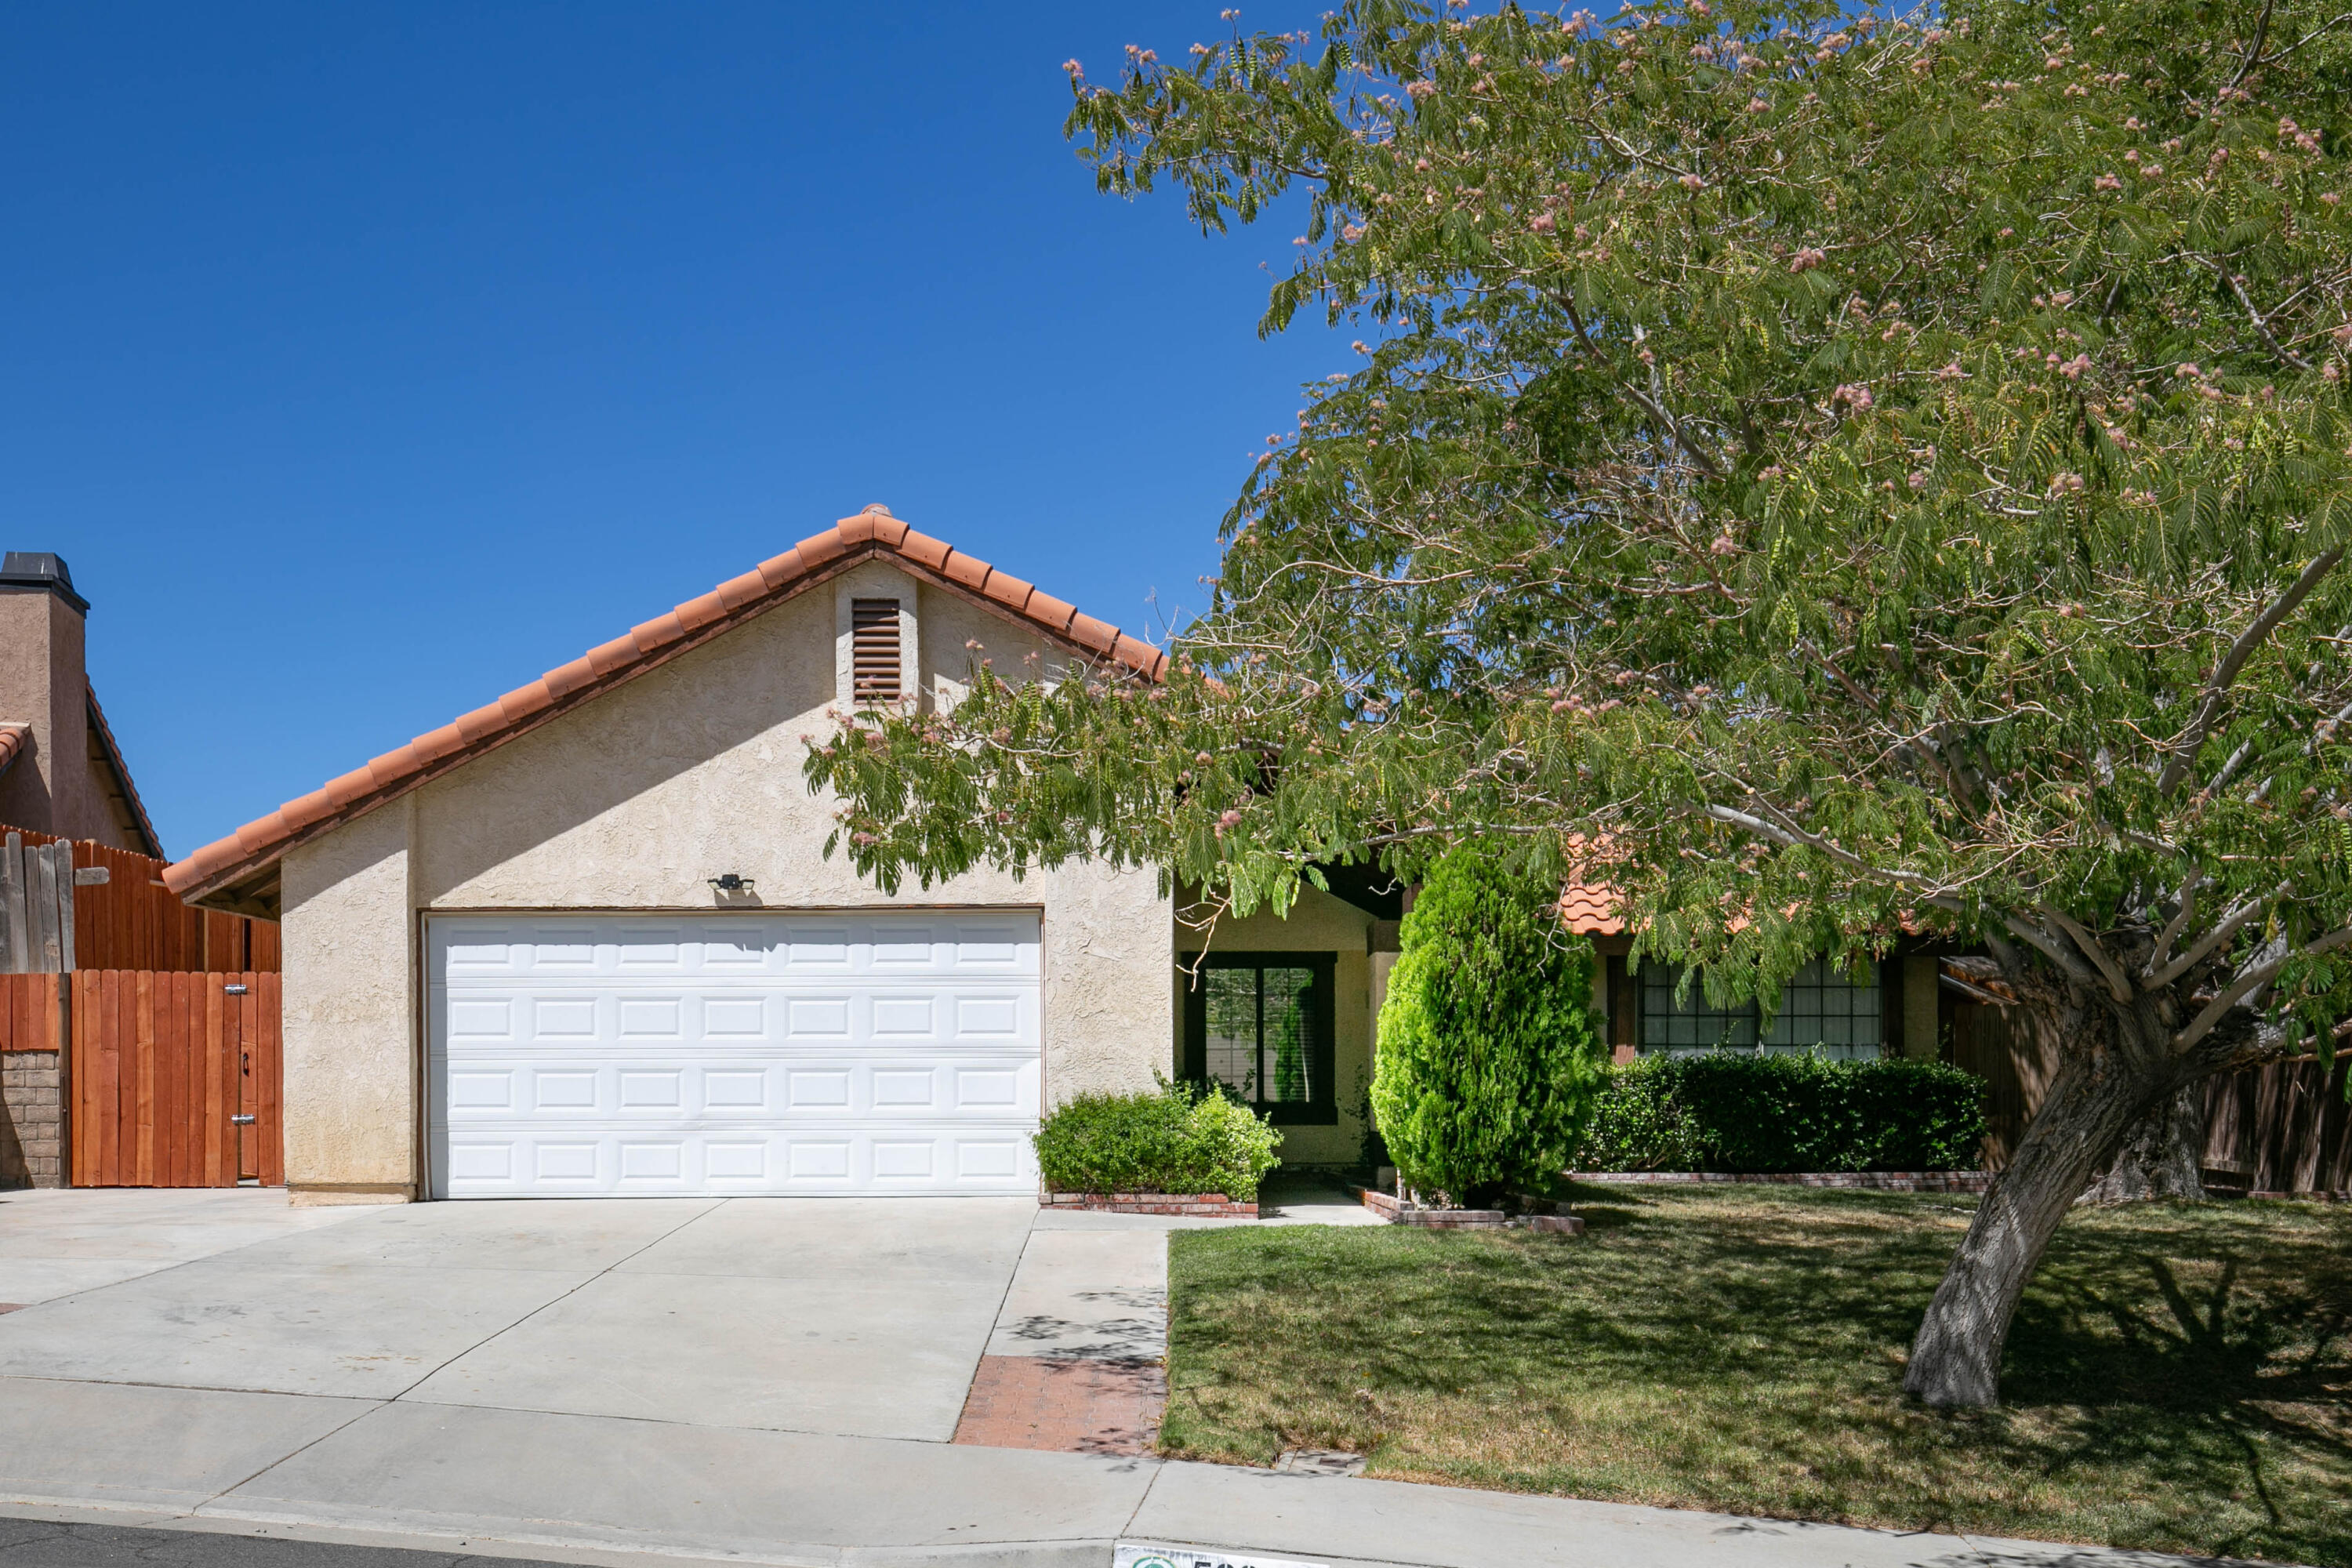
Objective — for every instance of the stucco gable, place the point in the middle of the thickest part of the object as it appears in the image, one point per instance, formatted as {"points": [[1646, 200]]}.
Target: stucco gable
{"points": [[240, 871]]}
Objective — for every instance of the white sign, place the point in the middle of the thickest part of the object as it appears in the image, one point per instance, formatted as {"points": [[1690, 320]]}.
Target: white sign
{"points": [[1129, 1555]]}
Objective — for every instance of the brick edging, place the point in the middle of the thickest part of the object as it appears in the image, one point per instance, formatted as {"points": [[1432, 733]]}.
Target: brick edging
{"points": [[1193, 1205], [1534, 1214], [1867, 1181]]}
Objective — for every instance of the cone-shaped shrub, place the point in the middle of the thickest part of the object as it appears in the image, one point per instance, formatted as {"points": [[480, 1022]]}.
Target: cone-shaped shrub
{"points": [[1488, 1062]]}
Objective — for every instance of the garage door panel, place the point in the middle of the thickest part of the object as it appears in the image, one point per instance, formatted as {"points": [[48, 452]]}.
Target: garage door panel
{"points": [[845, 1159], [965, 942], [963, 1087], [473, 1014], [893, 1052]]}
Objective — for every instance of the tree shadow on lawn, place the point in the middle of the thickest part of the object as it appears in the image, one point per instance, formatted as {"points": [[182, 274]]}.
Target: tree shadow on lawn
{"points": [[2175, 1379]]}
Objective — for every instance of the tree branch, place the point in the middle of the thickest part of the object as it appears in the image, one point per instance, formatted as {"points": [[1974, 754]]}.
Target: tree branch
{"points": [[2259, 975], [2213, 938], [2254, 50], [1649, 405], [2180, 921], [2109, 970], [2217, 689]]}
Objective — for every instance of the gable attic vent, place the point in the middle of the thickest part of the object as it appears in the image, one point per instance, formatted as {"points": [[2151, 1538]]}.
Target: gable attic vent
{"points": [[874, 650]]}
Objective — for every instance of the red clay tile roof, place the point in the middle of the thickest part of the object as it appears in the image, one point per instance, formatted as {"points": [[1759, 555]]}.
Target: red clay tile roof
{"points": [[1589, 909], [239, 871], [1587, 905], [13, 737]]}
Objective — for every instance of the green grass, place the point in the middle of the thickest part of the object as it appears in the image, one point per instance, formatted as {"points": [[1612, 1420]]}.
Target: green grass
{"points": [[2180, 1377]]}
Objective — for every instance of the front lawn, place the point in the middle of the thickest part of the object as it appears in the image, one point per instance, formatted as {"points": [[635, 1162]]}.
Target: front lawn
{"points": [[2180, 1377]]}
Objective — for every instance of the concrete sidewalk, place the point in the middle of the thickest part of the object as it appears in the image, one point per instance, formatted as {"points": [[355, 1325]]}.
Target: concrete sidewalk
{"points": [[587, 1488]]}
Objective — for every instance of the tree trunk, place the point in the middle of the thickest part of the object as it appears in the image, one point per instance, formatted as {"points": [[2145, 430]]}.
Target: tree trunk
{"points": [[2115, 1064], [2163, 1154]]}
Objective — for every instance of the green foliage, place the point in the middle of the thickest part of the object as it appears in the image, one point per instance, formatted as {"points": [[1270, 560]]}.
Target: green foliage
{"points": [[1636, 1123], [1180, 1140], [1487, 1062], [1742, 1111], [1859, 469]]}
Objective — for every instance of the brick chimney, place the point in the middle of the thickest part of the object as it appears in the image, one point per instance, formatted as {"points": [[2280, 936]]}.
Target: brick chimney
{"points": [[60, 774]]}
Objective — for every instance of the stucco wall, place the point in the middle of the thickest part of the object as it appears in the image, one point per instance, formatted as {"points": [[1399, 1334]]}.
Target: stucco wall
{"points": [[351, 1023], [634, 802], [43, 682], [1316, 923]]}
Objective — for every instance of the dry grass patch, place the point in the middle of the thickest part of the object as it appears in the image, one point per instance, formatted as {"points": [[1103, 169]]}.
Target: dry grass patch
{"points": [[2177, 1378]]}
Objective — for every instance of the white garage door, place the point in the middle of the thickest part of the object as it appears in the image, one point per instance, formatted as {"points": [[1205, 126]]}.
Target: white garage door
{"points": [[731, 1053]]}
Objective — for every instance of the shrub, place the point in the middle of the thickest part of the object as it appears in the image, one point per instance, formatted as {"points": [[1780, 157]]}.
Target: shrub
{"points": [[1636, 1125], [1178, 1140], [1488, 1065], [1739, 1111]]}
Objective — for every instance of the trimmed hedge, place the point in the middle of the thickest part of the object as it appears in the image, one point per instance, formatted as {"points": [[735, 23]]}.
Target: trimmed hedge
{"points": [[1180, 1140], [1746, 1111]]}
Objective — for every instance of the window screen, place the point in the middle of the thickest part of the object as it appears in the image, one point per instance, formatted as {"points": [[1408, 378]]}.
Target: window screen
{"points": [[1819, 1006], [1260, 1023]]}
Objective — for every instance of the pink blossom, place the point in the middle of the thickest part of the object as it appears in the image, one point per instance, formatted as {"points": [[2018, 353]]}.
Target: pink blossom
{"points": [[2107, 183], [1692, 183], [1419, 90], [1543, 222], [2065, 484], [1807, 258], [1916, 479], [2186, 369], [2073, 368], [1854, 395], [2330, 197], [1073, 67]]}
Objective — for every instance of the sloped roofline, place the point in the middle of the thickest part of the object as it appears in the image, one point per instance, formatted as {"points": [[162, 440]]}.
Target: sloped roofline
{"points": [[239, 872], [113, 751]]}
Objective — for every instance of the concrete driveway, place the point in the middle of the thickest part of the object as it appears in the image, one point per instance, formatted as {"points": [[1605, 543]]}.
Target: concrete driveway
{"points": [[855, 1317]]}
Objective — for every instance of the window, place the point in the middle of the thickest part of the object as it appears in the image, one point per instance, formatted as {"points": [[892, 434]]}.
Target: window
{"points": [[1260, 1023], [874, 650], [1819, 1006]]}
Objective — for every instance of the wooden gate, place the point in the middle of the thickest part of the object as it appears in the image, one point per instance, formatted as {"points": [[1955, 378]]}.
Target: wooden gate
{"points": [[175, 1079]]}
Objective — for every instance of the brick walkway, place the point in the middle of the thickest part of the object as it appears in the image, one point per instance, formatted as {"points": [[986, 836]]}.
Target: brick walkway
{"points": [[1063, 1403]]}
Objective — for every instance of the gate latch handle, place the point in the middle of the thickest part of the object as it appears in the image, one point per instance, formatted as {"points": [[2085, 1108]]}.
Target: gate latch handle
{"points": [[243, 1120]]}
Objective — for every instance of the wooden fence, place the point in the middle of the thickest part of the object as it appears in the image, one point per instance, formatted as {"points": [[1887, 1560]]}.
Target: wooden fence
{"points": [[37, 883], [32, 1011], [111, 910], [175, 1079], [2275, 1128]]}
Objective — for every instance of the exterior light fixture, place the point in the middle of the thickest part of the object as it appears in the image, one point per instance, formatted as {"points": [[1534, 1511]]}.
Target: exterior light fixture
{"points": [[731, 883]]}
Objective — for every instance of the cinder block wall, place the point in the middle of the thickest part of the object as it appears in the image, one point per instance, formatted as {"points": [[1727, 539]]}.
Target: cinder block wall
{"points": [[32, 1119]]}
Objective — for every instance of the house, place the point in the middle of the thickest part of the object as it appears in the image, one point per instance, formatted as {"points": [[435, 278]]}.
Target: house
{"points": [[61, 770], [584, 940]]}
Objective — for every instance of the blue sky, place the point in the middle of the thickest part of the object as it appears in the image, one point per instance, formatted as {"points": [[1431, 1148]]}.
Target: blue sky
{"points": [[366, 361]]}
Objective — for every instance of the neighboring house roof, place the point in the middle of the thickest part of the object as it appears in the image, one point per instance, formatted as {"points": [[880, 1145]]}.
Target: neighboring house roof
{"points": [[239, 872], [110, 753], [14, 738], [1591, 910]]}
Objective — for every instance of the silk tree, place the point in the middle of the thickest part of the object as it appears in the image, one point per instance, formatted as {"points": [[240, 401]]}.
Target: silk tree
{"points": [[1830, 474]]}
